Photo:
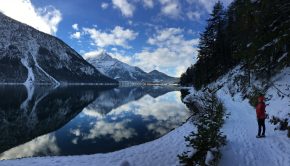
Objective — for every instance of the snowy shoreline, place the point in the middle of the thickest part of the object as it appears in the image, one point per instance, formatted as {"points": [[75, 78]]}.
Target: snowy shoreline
{"points": [[162, 151]]}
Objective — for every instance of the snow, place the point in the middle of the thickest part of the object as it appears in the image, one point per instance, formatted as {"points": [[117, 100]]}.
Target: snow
{"points": [[243, 148], [49, 76], [275, 41], [162, 151], [279, 95], [209, 157], [30, 76], [283, 56]]}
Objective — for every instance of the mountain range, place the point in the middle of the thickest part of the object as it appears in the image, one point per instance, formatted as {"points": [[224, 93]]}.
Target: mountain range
{"points": [[32, 57], [123, 72]]}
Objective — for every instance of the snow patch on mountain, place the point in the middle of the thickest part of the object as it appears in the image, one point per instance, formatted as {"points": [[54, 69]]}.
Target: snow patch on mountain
{"points": [[30, 77]]}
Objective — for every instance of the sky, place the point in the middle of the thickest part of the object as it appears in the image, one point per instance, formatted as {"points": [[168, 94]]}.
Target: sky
{"points": [[150, 34]]}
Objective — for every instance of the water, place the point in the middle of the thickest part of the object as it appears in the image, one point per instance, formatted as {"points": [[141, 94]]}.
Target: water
{"points": [[77, 120]]}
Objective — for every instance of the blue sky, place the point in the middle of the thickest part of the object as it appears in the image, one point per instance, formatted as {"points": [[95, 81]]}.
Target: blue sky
{"points": [[150, 34]]}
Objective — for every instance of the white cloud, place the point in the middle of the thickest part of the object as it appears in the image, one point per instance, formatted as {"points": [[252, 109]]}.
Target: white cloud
{"points": [[104, 5], [45, 145], [45, 19], [148, 3], [193, 15], [92, 54], [75, 27], [174, 53], [125, 7], [171, 8], [116, 37], [208, 5], [76, 35]]}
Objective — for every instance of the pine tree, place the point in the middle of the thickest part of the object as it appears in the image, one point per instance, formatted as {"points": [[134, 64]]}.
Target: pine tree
{"points": [[214, 57]]}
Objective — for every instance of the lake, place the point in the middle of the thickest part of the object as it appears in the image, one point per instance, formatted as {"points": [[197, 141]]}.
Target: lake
{"points": [[78, 120]]}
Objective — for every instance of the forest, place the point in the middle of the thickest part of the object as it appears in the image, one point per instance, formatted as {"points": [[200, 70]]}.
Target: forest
{"points": [[250, 33]]}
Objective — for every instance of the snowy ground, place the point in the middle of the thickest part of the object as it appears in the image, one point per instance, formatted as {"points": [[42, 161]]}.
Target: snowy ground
{"points": [[243, 147]]}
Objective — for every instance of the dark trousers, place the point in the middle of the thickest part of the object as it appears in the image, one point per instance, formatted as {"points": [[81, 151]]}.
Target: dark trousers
{"points": [[261, 124]]}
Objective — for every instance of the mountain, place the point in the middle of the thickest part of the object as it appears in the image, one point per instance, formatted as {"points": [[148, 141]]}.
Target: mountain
{"points": [[121, 71], [32, 57], [116, 69], [158, 76]]}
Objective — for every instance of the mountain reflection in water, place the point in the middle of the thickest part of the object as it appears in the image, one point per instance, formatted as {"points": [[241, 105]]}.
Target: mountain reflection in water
{"points": [[76, 120]]}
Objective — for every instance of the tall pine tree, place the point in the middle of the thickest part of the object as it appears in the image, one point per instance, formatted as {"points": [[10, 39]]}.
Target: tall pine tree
{"points": [[214, 56]]}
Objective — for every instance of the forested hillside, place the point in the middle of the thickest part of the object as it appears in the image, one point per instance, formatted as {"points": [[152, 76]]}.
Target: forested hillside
{"points": [[252, 33]]}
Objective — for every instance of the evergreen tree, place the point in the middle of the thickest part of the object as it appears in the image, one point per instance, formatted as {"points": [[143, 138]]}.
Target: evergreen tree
{"points": [[214, 56]]}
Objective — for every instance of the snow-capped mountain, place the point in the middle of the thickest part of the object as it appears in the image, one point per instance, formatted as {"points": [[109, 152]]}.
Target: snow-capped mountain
{"points": [[121, 71], [32, 57]]}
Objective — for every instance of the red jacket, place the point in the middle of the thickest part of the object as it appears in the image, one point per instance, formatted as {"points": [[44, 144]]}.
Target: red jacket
{"points": [[260, 110]]}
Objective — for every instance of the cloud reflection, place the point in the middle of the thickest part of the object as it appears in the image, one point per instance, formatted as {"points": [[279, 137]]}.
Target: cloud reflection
{"points": [[43, 145], [159, 115], [117, 130]]}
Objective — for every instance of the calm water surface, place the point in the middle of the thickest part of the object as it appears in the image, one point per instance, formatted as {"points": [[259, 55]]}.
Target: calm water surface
{"points": [[77, 120]]}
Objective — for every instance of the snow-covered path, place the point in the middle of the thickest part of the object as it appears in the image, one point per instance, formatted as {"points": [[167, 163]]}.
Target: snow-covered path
{"points": [[243, 147]]}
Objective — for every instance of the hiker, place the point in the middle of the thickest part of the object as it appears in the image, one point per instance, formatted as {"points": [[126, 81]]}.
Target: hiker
{"points": [[261, 116]]}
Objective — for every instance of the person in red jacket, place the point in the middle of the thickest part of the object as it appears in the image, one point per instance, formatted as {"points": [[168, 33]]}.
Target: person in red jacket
{"points": [[261, 116]]}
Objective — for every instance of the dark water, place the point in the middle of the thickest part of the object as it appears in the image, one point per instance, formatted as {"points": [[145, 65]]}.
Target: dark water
{"points": [[76, 120]]}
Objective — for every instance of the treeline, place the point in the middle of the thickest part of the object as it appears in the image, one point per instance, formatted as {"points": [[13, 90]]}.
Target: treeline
{"points": [[253, 33]]}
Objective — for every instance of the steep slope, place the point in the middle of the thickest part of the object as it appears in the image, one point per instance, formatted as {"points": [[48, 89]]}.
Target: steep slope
{"points": [[124, 72], [30, 56]]}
